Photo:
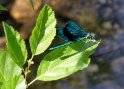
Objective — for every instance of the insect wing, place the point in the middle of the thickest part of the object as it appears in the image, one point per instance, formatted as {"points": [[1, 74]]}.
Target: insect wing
{"points": [[61, 34], [73, 31]]}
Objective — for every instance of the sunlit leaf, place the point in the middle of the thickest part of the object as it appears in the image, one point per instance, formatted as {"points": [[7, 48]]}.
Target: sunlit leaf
{"points": [[8, 68], [18, 82], [15, 45], [66, 60], [44, 31]]}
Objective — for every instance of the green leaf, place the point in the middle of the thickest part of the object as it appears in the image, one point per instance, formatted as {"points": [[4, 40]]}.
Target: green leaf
{"points": [[2, 8], [44, 31], [66, 60], [18, 82], [32, 3], [8, 68], [15, 45], [1, 77], [0, 84]]}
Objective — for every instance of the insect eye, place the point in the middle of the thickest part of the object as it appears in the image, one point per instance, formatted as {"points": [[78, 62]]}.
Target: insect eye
{"points": [[92, 36]]}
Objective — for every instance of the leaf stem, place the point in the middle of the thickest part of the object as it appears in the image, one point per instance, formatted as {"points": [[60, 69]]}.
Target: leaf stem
{"points": [[32, 82], [31, 61], [27, 69]]}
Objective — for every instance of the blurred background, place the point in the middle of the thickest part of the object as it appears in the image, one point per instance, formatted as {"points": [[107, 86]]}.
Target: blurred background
{"points": [[105, 18]]}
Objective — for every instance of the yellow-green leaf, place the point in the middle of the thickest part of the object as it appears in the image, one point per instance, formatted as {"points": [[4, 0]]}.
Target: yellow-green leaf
{"points": [[44, 31]]}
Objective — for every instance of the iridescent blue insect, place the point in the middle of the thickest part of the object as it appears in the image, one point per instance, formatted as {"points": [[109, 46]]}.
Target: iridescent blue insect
{"points": [[71, 33]]}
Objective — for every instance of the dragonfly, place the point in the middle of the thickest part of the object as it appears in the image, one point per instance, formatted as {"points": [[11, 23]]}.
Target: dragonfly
{"points": [[71, 33]]}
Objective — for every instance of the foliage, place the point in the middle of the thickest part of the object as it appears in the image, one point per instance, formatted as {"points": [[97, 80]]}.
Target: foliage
{"points": [[2, 8], [57, 64], [32, 3]]}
